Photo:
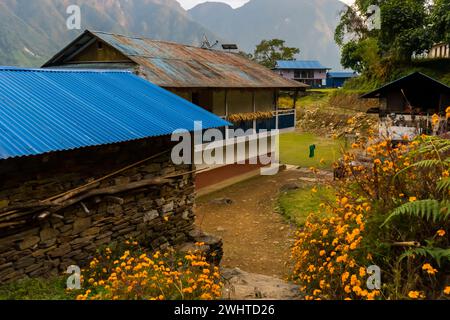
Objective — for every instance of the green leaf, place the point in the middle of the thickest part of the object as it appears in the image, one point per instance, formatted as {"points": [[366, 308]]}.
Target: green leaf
{"points": [[430, 210], [438, 254], [443, 185]]}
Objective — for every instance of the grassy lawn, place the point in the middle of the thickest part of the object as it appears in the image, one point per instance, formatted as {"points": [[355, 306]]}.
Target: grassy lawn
{"points": [[299, 204], [37, 289], [294, 150]]}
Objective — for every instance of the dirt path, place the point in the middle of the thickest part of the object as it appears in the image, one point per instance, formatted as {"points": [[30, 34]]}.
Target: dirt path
{"points": [[256, 238]]}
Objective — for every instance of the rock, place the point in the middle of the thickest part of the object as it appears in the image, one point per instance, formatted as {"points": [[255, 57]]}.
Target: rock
{"points": [[91, 232], [29, 242], [61, 251], [121, 180], [241, 285], [290, 187], [24, 262], [222, 201], [152, 215], [48, 233], [4, 203], [168, 207], [81, 224]]}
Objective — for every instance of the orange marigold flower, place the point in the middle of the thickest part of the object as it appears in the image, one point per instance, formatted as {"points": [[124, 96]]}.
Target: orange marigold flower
{"points": [[447, 290], [429, 269], [344, 201], [414, 294], [441, 233]]}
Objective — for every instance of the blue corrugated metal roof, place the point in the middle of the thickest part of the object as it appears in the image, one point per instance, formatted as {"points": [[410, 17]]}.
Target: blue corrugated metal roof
{"points": [[341, 74], [53, 110], [299, 64]]}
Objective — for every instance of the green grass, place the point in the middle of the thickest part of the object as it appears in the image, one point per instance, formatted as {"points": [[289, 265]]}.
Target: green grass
{"points": [[299, 204], [37, 289], [294, 150]]}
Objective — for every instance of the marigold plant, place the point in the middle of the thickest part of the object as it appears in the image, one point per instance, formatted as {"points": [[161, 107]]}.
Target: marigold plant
{"points": [[392, 211], [134, 274]]}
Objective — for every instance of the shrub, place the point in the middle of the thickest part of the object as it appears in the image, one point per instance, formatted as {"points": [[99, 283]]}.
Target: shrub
{"points": [[133, 274], [392, 211]]}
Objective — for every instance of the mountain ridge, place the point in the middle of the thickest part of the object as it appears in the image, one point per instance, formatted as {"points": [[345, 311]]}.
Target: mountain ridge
{"points": [[258, 20], [33, 31]]}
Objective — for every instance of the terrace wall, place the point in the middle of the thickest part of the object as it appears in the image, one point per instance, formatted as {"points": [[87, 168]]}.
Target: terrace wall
{"points": [[156, 216]]}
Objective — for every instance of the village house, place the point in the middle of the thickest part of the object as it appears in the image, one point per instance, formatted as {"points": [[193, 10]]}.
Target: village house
{"points": [[439, 51], [85, 160], [224, 83], [309, 72], [337, 79], [410, 106]]}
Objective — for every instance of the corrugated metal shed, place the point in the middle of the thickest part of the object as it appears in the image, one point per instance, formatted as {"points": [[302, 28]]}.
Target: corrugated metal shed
{"points": [[173, 65], [300, 64], [53, 110], [416, 82], [343, 74]]}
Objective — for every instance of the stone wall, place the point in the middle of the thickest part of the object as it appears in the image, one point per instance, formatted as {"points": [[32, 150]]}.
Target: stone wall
{"points": [[157, 216]]}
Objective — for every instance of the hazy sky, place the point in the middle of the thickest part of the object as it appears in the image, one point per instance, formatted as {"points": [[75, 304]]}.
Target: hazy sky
{"points": [[187, 4]]}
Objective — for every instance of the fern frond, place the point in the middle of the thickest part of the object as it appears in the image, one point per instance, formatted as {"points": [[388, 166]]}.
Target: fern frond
{"points": [[424, 164], [430, 210], [443, 185], [438, 254]]}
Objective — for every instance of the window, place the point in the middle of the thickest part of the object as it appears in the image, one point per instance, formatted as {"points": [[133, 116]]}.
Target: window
{"points": [[297, 74], [99, 45]]}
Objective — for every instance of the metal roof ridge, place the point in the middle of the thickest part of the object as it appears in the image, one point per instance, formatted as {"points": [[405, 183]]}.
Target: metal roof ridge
{"points": [[55, 70], [154, 40]]}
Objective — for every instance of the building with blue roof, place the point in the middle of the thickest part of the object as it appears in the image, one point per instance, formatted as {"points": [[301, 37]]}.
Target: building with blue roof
{"points": [[309, 72], [53, 110], [338, 79], [225, 83], [86, 161]]}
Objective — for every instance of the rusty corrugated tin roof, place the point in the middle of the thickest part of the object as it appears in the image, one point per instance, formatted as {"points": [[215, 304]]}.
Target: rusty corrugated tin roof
{"points": [[174, 65]]}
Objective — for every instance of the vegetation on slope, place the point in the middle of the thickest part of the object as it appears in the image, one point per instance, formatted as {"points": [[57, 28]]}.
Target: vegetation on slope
{"points": [[393, 214], [407, 30]]}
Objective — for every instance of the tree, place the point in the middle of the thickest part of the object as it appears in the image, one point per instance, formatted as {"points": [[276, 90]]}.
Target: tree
{"points": [[404, 28], [269, 51], [440, 21], [360, 55]]}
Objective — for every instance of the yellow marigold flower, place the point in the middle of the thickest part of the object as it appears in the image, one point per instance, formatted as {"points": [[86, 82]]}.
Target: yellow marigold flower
{"points": [[412, 199], [441, 233], [322, 253], [446, 174], [314, 190], [414, 294], [348, 289], [325, 232], [344, 201], [377, 161]]}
